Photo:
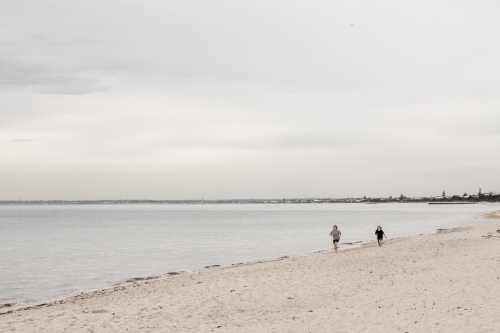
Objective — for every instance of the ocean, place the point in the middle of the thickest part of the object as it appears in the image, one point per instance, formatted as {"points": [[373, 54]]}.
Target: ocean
{"points": [[53, 251]]}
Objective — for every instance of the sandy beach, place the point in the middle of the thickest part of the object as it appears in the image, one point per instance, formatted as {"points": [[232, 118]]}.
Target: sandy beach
{"points": [[444, 282]]}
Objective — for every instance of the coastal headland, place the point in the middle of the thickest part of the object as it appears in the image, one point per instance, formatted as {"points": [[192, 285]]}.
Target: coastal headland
{"points": [[445, 282]]}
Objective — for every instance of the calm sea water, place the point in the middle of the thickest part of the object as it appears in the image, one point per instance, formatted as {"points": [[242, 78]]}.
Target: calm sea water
{"points": [[52, 251]]}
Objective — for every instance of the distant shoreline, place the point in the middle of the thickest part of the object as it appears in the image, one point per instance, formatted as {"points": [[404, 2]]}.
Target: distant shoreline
{"points": [[490, 198], [452, 203]]}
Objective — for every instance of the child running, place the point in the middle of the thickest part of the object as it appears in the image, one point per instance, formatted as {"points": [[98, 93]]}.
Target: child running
{"points": [[380, 235], [335, 233]]}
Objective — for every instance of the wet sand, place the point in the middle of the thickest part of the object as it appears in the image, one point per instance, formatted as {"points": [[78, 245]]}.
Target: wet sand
{"points": [[445, 282]]}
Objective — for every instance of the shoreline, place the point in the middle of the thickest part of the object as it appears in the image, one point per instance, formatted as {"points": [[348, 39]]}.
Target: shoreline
{"points": [[12, 308], [446, 281], [409, 285], [7, 308]]}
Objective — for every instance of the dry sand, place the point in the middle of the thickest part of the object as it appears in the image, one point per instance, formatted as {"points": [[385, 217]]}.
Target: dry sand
{"points": [[446, 282]]}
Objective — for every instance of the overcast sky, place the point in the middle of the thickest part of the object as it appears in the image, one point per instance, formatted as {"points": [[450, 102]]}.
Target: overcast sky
{"points": [[248, 99]]}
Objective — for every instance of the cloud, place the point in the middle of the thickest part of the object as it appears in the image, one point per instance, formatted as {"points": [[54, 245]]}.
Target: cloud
{"points": [[29, 140], [22, 140], [48, 62], [283, 84], [44, 78]]}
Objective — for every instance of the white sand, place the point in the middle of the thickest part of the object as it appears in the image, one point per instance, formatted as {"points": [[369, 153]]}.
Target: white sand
{"points": [[447, 282]]}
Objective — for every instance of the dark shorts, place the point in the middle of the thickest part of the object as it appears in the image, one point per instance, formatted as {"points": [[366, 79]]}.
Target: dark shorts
{"points": [[335, 241], [380, 239]]}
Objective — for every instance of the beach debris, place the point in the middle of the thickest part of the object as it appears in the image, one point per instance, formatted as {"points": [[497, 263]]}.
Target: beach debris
{"points": [[488, 236], [498, 230], [142, 278], [173, 273], [6, 305], [212, 266]]}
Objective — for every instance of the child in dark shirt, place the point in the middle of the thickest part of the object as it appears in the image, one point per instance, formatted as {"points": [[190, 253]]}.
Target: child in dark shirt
{"points": [[380, 235]]}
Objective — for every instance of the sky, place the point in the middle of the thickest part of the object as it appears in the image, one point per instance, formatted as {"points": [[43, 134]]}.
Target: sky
{"points": [[218, 99]]}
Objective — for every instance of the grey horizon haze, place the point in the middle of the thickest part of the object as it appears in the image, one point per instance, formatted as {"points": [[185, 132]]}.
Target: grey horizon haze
{"points": [[255, 99]]}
